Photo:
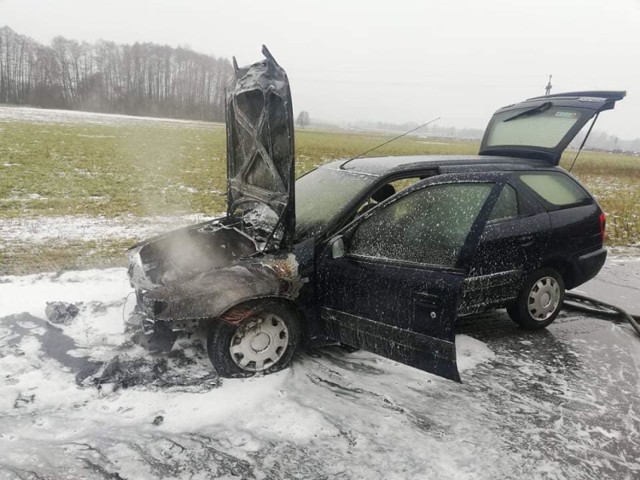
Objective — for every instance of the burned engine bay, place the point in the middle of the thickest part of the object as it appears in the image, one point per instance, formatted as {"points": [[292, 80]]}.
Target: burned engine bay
{"points": [[183, 254], [202, 270]]}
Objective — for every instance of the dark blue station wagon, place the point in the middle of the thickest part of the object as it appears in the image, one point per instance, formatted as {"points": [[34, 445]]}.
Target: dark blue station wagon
{"points": [[381, 254]]}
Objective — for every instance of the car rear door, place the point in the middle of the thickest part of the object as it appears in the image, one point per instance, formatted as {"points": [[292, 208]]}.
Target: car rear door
{"points": [[513, 244], [391, 282]]}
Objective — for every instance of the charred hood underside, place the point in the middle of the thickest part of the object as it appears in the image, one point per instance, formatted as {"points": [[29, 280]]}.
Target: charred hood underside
{"points": [[260, 151]]}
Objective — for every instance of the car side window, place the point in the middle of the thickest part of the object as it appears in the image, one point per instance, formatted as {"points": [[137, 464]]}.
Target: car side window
{"points": [[386, 191], [428, 226], [556, 189], [506, 206]]}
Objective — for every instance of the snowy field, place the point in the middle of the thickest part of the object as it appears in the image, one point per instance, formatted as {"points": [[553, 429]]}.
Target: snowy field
{"points": [[9, 113], [561, 403], [70, 228]]}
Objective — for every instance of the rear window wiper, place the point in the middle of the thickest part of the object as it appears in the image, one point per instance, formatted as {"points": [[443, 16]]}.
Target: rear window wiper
{"points": [[539, 109]]}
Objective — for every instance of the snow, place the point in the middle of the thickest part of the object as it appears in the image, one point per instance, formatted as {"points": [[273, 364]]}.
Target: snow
{"points": [[269, 406], [331, 415], [39, 115], [69, 228], [30, 293]]}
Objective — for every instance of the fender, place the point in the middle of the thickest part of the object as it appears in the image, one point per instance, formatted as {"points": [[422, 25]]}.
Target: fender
{"points": [[211, 294]]}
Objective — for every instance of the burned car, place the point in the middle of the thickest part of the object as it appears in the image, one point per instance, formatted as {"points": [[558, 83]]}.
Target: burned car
{"points": [[381, 254]]}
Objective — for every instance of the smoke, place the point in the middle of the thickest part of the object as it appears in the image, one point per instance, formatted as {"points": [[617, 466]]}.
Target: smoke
{"points": [[155, 157]]}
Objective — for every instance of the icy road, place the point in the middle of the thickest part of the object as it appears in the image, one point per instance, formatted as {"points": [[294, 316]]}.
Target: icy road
{"points": [[561, 403]]}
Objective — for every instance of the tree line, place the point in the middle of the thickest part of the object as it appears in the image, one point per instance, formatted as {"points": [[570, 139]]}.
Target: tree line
{"points": [[138, 79]]}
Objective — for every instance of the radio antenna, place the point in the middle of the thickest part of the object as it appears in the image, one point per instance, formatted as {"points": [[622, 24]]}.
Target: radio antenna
{"points": [[389, 141]]}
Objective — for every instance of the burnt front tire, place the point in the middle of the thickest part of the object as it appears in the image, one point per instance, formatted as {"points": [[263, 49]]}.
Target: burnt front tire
{"points": [[539, 301], [262, 341]]}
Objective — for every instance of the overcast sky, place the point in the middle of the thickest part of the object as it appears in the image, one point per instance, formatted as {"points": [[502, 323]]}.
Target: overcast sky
{"points": [[393, 61]]}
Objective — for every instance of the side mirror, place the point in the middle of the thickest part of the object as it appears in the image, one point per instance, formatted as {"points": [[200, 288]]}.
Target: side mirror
{"points": [[337, 247]]}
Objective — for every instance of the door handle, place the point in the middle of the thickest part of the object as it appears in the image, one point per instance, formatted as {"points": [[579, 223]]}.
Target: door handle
{"points": [[427, 298], [526, 240]]}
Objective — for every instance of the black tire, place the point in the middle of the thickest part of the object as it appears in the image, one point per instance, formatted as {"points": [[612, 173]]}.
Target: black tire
{"points": [[274, 345], [539, 301]]}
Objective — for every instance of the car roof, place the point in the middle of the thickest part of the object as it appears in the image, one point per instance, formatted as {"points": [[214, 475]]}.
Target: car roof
{"points": [[383, 166]]}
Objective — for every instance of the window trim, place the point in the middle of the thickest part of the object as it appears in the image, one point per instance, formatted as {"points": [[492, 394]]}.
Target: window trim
{"points": [[506, 219], [395, 262]]}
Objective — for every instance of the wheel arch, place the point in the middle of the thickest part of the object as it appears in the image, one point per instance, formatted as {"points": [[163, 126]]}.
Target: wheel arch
{"points": [[222, 330], [564, 267], [234, 313]]}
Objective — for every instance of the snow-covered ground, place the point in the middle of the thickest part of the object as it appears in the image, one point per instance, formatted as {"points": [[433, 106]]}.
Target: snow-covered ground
{"points": [[70, 228], [9, 113], [562, 403]]}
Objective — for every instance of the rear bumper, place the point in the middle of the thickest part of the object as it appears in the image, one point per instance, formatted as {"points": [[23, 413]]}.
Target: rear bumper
{"points": [[588, 266]]}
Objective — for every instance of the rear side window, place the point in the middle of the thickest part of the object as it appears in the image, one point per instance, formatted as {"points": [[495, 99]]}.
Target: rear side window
{"points": [[555, 188]]}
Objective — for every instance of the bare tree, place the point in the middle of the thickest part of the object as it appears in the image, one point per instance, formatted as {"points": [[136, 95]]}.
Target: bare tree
{"points": [[138, 79], [303, 119]]}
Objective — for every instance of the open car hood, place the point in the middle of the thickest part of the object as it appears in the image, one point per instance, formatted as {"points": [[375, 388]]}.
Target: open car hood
{"points": [[260, 152], [542, 127]]}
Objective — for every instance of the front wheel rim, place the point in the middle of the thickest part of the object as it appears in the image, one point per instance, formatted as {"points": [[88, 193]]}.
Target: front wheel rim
{"points": [[544, 299], [260, 343]]}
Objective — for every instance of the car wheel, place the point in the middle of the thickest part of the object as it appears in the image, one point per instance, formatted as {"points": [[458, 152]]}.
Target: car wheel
{"points": [[539, 301], [263, 341]]}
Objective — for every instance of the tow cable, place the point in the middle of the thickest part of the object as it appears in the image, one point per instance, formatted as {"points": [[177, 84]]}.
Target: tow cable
{"points": [[582, 303]]}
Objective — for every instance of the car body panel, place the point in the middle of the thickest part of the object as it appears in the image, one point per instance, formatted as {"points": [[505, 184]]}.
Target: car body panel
{"points": [[212, 293], [558, 118], [575, 232], [260, 149], [507, 250]]}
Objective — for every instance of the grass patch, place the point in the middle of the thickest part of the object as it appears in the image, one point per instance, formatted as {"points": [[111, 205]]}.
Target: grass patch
{"points": [[76, 255], [146, 170], [615, 181], [54, 169], [110, 170]]}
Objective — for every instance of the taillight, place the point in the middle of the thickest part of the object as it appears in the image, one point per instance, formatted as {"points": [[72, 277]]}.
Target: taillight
{"points": [[603, 226]]}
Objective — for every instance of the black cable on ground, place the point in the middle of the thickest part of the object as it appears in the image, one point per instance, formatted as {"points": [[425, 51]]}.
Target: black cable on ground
{"points": [[582, 303]]}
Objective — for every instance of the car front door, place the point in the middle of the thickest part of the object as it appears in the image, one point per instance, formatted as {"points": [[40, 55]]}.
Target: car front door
{"points": [[391, 282]]}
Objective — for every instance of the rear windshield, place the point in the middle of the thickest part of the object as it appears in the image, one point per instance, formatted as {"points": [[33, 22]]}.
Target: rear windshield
{"points": [[539, 129], [557, 189]]}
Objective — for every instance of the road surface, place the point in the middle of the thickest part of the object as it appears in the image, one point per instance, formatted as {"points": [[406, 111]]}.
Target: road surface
{"points": [[560, 403]]}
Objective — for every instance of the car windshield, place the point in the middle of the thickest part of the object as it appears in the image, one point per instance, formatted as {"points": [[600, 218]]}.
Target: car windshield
{"points": [[322, 194], [532, 127]]}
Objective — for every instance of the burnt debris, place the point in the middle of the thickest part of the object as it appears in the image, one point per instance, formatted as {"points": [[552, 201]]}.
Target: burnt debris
{"points": [[61, 312]]}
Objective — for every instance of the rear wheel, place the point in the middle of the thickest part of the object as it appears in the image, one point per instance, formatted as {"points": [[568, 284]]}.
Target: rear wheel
{"points": [[264, 340], [539, 301]]}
